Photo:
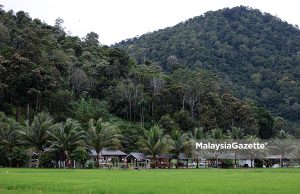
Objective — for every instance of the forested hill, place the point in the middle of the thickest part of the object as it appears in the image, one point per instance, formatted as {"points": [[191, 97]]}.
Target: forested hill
{"points": [[45, 70], [257, 54]]}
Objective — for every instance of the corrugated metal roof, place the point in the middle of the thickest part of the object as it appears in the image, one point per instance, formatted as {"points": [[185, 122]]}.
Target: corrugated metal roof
{"points": [[137, 155], [109, 152]]}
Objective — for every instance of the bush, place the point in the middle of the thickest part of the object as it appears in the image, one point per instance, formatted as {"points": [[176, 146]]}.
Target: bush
{"points": [[18, 157], [258, 163], [80, 155], [90, 164], [46, 159], [227, 163]]}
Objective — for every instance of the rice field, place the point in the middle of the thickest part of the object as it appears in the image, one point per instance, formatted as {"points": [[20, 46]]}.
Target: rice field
{"points": [[171, 181]]}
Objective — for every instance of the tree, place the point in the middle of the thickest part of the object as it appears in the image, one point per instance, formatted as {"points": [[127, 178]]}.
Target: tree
{"points": [[195, 84], [36, 134], [18, 157], [282, 147], [9, 136], [253, 153], [66, 137], [91, 108], [279, 124], [217, 134], [168, 124], [153, 142], [195, 135], [179, 143], [91, 39], [79, 81], [265, 123], [131, 93], [236, 134], [80, 155], [100, 135]]}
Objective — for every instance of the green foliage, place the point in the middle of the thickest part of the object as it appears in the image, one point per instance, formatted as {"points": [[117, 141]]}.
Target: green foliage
{"points": [[86, 109], [36, 134], [184, 120], [168, 124], [46, 158], [153, 142], [80, 155], [227, 163], [265, 122], [102, 135], [230, 70], [18, 157], [66, 137], [254, 53]]}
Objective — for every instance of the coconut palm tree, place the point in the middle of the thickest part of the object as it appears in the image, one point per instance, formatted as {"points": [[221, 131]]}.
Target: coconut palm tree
{"points": [[36, 134], [100, 135], [197, 134], [236, 134], [66, 137], [153, 142], [253, 153], [282, 147], [217, 134], [296, 154], [179, 143], [9, 136]]}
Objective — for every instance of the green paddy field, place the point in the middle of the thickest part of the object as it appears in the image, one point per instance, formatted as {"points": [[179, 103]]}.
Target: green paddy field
{"points": [[190, 181]]}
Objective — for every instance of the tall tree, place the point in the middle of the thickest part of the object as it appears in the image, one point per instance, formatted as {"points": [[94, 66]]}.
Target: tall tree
{"points": [[195, 84], [36, 134], [153, 142], [65, 137], [102, 135], [9, 136], [179, 144]]}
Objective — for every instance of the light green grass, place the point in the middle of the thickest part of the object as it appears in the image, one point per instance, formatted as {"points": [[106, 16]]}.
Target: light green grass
{"points": [[17, 181]]}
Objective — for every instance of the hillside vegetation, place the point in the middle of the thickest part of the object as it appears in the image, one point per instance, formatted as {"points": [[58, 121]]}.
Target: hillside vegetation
{"points": [[57, 91], [255, 54]]}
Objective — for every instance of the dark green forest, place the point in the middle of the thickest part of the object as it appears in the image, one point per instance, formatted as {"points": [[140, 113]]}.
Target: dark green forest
{"points": [[255, 54], [229, 69]]}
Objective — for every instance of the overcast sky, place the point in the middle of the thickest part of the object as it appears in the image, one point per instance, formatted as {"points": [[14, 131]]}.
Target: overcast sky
{"points": [[116, 20]]}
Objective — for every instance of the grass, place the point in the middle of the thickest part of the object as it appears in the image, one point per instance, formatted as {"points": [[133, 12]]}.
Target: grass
{"points": [[17, 181]]}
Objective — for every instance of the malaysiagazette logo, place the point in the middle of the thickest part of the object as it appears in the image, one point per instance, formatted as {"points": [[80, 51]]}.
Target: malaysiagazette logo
{"points": [[230, 146]]}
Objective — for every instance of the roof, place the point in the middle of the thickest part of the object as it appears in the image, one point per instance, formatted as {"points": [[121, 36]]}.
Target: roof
{"points": [[137, 155], [183, 156], [165, 156], [109, 152]]}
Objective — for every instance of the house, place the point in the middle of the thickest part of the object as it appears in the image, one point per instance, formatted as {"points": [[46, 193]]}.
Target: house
{"points": [[109, 157], [137, 160]]}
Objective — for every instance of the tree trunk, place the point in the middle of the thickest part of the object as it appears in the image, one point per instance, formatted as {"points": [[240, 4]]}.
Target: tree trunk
{"points": [[192, 109], [197, 165], [97, 160], [152, 108], [17, 118], [154, 162], [177, 162], [28, 111], [235, 159], [129, 110]]}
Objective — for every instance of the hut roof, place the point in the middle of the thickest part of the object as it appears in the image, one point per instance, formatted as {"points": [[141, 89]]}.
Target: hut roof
{"points": [[137, 155], [106, 152]]}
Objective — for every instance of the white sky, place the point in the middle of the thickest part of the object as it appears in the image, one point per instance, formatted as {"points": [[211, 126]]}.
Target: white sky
{"points": [[116, 20]]}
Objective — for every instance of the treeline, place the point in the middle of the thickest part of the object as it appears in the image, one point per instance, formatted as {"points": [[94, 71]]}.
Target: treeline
{"points": [[256, 54], [44, 142], [43, 69]]}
